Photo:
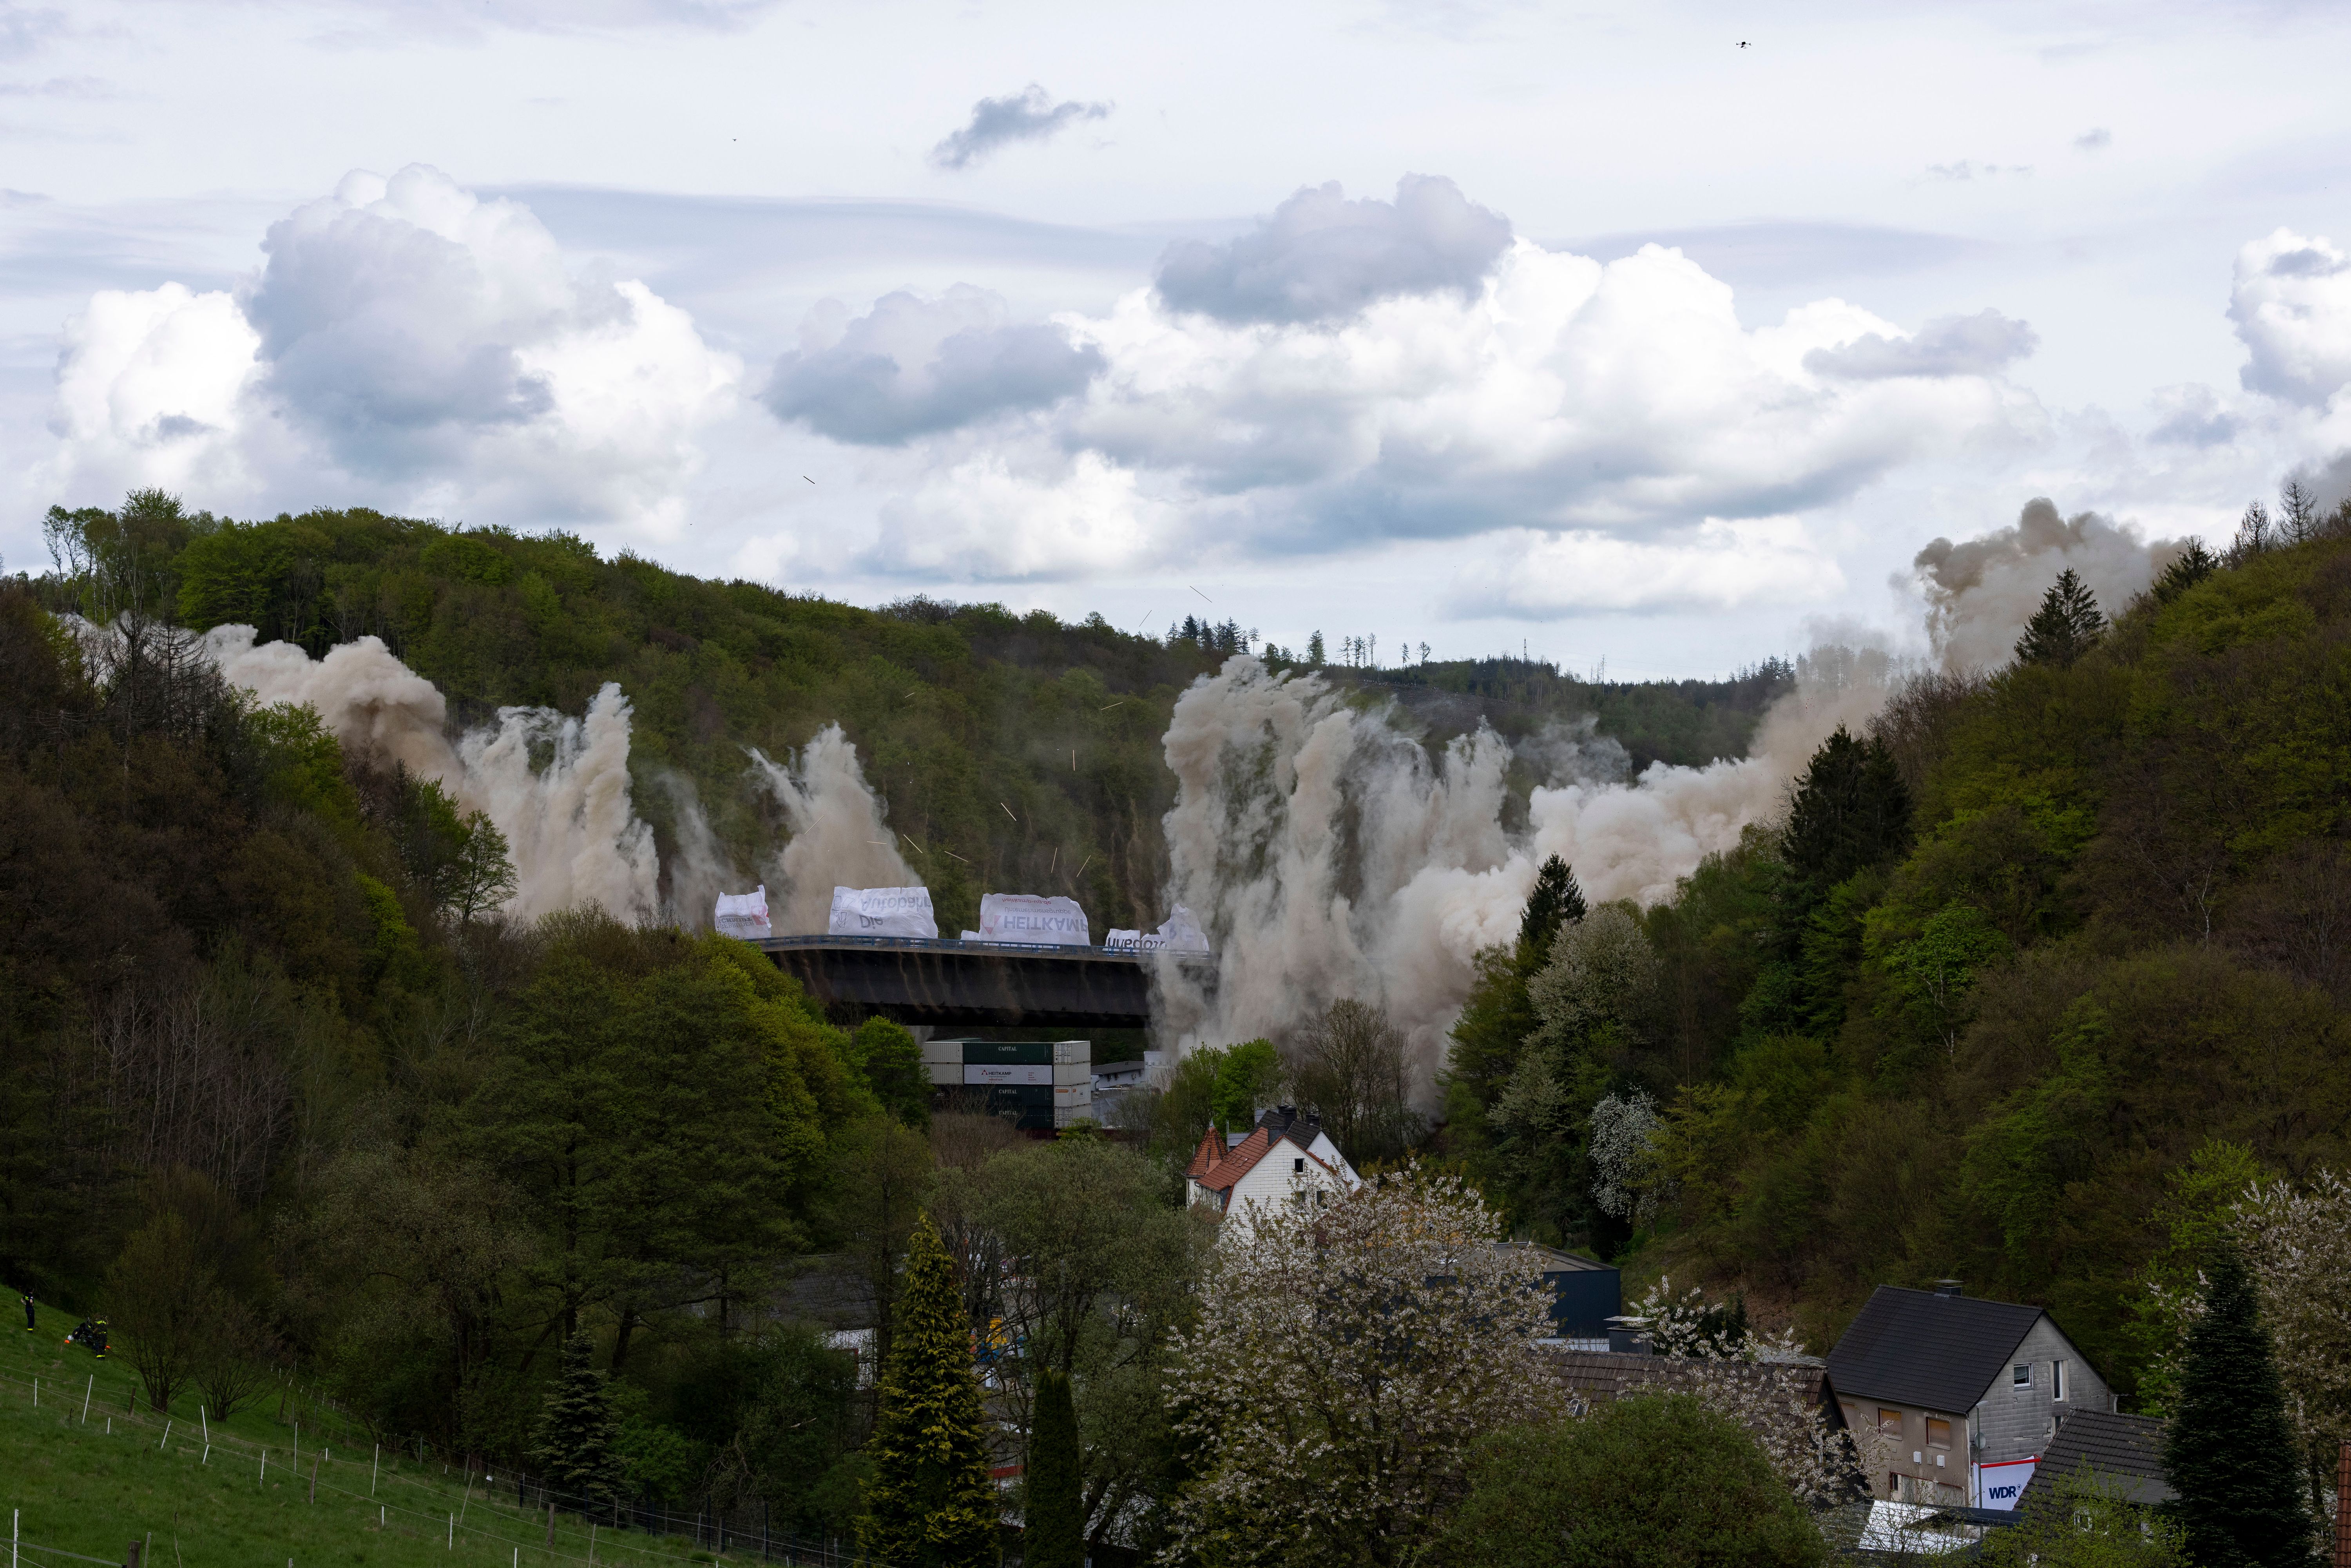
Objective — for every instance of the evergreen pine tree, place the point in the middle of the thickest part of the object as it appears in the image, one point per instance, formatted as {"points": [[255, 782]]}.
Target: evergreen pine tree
{"points": [[2190, 567], [2065, 625], [1054, 1513], [1556, 901], [1850, 810], [2229, 1453], [576, 1432], [929, 1502]]}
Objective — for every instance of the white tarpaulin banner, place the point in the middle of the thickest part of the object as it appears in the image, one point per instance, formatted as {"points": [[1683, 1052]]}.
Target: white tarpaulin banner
{"points": [[882, 912], [2000, 1485], [1182, 933], [1032, 917], [744, 914]]}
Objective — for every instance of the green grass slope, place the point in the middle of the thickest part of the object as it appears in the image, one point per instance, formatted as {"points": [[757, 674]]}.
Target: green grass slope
{"points": [[85, 1475]]}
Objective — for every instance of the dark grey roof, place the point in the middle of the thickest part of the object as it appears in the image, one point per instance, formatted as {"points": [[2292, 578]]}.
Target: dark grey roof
{"points": [[1554, 1262], [1936, 1352], [2127, 1446], [1288, 1122]]}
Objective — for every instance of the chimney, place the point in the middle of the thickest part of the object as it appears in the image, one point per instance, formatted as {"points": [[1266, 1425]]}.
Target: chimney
{"points": [[1624, 1336], [1946, 1287]]}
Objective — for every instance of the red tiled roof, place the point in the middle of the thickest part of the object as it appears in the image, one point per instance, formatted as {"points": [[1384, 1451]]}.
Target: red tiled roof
{"points": [[1206, 1158], [1239, 1163]]}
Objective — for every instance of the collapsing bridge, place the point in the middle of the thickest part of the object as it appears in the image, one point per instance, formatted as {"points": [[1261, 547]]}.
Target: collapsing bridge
{"points": [[935, 981]]}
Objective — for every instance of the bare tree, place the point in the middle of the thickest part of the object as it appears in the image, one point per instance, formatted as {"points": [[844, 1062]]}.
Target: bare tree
{"points": [[1351, 1071], [2297, 516]]}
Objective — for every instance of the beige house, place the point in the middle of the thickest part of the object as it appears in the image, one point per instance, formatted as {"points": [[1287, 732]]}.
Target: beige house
{"points": [[1952, 1400]]}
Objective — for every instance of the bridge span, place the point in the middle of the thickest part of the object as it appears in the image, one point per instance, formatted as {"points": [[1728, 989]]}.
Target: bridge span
{"points": [[938, 981]]}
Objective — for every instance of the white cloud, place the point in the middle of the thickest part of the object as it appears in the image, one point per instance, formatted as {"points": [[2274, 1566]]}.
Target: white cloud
{"points": [[154, 384], [1563, 395], [1533, 576], [413, 345], [1595, 419], [2292, 305]]}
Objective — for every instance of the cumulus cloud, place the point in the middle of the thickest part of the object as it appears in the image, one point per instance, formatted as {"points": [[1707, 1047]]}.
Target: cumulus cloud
{"points": [[153, 383], [1980, 593], [1321, 256], [2292, 303], [911, 366], [1029, 115], [407, 333], [1595, 407], [1979, 345]]}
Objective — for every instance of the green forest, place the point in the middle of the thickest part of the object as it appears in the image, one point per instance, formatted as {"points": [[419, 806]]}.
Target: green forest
{"points": [[2038, 974], [2041, 969]]}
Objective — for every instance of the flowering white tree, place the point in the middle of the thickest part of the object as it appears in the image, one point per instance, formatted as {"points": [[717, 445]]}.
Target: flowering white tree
{"points": [[1626, 1181], [1343, 1360], [1757, 1380], [2297, 1244]]}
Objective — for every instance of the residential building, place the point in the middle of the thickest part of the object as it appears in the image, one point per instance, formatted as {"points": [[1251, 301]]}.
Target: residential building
{"points": [[1286, 1158], [2127, 1448], [1584, 1294], [1115, 1081], [1953, 1398]]}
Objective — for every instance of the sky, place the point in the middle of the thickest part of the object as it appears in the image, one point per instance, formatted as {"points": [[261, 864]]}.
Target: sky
{"points": [[1654, 337]]}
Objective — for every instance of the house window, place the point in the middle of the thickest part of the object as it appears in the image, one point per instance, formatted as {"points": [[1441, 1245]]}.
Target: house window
{"points": [[1939, 1432], [1889, 1422], [2056, 1380], [2021, 1376], [1298, 1166]]}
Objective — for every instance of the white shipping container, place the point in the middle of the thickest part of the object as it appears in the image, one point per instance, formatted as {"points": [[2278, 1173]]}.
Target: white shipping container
{"points": [[1072, 1072], [1065, 1114], [1067, 1051], [944, 1050], [1079, 1095], [994, 1072], [947, 1073]]}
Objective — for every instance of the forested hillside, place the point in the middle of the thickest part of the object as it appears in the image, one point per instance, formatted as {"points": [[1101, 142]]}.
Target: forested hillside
{"points": [[2040, 971], [277, 1092], [1015, 751]]}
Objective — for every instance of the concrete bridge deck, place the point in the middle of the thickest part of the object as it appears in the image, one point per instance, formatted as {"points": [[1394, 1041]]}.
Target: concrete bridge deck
{"points": [[938, 981]]}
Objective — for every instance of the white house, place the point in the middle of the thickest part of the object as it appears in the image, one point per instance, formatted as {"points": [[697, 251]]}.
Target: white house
{"points": [[1286, 1158]]}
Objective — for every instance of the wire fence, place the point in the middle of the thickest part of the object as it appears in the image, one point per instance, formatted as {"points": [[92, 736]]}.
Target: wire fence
{"points": [[538, 1524]]}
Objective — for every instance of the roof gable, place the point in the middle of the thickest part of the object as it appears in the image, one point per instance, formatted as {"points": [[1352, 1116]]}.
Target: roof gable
{"points": [[1935, 1352]]}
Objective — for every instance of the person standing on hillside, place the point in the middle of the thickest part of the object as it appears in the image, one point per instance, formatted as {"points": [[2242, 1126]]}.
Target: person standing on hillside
{"points": [[28, 1312]]}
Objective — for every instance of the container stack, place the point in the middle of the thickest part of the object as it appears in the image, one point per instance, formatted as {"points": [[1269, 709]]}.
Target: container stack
{"points": [[1041, 1084]]}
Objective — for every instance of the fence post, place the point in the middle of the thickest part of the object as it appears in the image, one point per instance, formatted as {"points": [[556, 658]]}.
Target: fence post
{"points": [[131, 1559], [375, 1469], [314, 1477], [85, 1397]]}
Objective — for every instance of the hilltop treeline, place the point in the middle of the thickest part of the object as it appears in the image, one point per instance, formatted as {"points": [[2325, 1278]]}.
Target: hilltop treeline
{"points": [[1015, 751], [2042, 962]]}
